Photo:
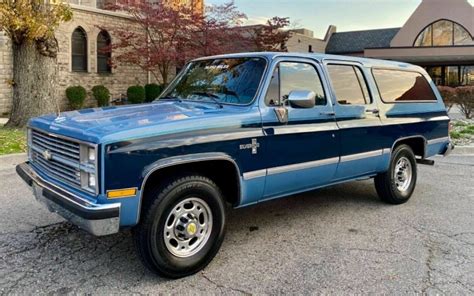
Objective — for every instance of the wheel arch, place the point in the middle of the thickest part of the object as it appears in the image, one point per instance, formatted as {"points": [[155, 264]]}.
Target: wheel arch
{"points": [[198, 163], [417, 143]]}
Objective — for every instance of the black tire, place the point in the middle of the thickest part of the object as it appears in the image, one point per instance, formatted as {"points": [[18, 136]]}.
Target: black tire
{"points": [[149, 233], [385, 183]]}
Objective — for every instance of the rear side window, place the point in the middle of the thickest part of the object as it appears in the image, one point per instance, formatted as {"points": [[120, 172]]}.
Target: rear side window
{"points": [[402, 86], [349, 85]]}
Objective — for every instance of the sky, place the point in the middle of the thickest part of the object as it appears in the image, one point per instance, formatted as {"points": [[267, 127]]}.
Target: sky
{"points": [[317, 15]]}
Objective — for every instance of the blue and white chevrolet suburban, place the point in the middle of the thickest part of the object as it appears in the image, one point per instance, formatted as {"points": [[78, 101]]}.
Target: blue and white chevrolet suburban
{"points": [[237, 129]]}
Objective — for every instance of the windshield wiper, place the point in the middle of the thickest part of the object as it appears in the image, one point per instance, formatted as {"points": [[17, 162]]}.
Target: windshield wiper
{"points": [[209, 95]]}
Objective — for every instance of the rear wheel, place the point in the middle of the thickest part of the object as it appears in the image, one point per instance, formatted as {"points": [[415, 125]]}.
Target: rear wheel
{"points": [[396, 186], [183, 226]]}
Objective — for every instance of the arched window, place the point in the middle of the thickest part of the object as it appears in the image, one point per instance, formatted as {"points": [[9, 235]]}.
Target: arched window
{"points": [[443, 33], [103, 52], [79, 50]]}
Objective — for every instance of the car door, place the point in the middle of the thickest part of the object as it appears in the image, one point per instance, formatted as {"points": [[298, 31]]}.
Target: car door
{"points": [[357, 117], [301, 153]]}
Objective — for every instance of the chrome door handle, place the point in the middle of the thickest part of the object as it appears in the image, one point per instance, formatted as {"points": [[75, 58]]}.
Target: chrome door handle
{"points": [[373, 111], [329, 113]]}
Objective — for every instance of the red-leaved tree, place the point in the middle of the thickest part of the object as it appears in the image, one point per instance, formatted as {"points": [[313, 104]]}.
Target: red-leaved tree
{"points": [[168, 36], [273, 35]]}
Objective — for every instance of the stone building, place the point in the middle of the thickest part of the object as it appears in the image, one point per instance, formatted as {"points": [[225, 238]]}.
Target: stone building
{"points": [[80, 60], [438, 36]]}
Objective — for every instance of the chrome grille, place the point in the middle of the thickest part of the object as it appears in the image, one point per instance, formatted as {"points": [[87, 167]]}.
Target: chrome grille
{"points": [[57, 157]]}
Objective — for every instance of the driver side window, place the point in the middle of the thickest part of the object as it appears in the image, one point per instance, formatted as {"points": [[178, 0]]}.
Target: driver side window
{"points": [[290, 76]]}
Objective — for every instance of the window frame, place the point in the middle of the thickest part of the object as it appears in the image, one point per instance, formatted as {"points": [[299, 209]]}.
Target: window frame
{"points": [[260, 87], [403, 102], [86, 49], [107, 55], [453, 23], [353, 65], [311, 63]]}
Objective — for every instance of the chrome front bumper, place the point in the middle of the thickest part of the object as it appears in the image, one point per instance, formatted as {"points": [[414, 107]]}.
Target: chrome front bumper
{"points": [[97, 219]]}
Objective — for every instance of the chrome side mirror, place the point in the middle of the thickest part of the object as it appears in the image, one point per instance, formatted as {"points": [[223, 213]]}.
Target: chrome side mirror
{"points": [[302, 99]]}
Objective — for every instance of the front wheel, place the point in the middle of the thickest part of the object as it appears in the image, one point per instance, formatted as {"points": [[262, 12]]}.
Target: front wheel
{"points": [[396, 186], [183, 226]]}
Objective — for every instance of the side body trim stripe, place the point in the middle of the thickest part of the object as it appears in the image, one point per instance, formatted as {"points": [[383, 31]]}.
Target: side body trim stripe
{"points": [[312, 164]]}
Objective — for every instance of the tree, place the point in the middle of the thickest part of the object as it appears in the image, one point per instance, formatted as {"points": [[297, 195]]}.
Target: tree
{"points": [[217, 31], [30, 25], [273, 35], [169, 36]]}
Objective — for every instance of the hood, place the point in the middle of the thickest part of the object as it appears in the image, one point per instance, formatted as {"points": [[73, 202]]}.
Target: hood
{"points": [[106, 124]]}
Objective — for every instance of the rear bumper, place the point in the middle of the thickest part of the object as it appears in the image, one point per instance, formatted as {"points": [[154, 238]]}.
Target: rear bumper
{"points": [[448, 148], [97, 219]]}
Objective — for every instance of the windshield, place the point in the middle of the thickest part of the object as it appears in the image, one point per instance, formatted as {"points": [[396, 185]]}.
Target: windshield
{"points": [[227, 80]]}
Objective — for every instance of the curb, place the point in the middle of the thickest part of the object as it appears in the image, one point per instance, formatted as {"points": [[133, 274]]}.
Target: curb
{"points": [[463, 150]]}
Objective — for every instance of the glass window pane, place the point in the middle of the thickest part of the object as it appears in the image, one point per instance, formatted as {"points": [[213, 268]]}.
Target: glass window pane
{"points": [[226, 80], [346, 85], [103, 56], [300, 76], [467, 75], [452, 76], [424, 39], [401, 86], [436, 74], [273, 93], [461, 36], [79, 50], [442, 33]]}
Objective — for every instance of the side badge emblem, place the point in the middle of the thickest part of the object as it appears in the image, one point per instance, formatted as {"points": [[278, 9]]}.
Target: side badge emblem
{"points": [[254, 146]]}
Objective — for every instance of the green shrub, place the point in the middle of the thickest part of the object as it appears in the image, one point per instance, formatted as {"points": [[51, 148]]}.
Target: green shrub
{"points": [[76, 96], [136, 94], [101, 94], [152, 91]]}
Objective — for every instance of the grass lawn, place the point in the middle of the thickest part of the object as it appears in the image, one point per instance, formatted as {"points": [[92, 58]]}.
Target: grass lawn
{"points": [[12, 140]]}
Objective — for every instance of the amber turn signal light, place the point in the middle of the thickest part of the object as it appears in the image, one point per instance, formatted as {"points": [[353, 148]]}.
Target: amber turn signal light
{"points": [[120, 193]]}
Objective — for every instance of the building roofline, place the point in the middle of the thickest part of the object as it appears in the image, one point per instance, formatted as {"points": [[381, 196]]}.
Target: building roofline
{"points": [[369, 30]]}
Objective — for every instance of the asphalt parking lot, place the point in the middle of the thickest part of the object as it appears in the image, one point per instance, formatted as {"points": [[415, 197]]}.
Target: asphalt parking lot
{"points": [[341, 239]]}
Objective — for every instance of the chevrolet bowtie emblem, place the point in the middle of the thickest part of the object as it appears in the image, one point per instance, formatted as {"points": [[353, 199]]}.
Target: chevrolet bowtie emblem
{"points": [[47, 155], [254, 146]]}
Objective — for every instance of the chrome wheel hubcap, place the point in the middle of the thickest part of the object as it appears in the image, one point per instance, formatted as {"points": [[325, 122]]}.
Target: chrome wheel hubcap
{"points": [[403, 174], [188, 227]]}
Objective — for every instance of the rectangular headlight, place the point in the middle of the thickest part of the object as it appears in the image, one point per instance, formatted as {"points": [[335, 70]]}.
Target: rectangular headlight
{"points": [[88, 168]]}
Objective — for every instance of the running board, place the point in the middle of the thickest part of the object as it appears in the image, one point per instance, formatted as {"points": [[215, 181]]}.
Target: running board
{"points": [[425, 161]]}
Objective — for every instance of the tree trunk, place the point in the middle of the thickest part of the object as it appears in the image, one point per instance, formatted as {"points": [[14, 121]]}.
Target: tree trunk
{"points": [[35, 90]]}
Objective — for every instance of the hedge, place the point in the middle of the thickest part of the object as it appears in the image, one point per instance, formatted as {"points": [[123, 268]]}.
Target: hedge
{"points": [[76, 96]]}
